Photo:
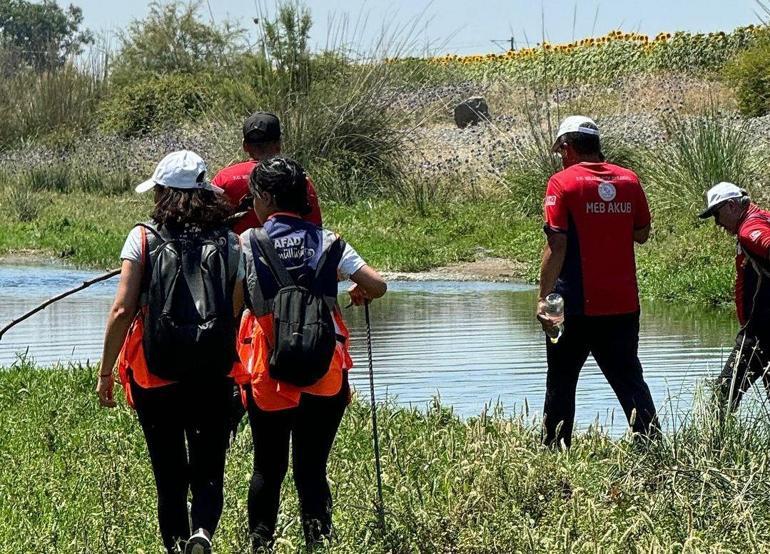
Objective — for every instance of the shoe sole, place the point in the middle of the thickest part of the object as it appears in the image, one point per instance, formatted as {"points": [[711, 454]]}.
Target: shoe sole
{"points": [[196, 546]]}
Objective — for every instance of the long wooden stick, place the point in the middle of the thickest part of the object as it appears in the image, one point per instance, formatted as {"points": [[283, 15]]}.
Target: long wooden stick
{"points": [[50, 301]]}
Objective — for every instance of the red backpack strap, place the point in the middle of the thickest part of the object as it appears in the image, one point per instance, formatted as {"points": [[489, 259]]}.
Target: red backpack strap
{"points": [[145, 246]]}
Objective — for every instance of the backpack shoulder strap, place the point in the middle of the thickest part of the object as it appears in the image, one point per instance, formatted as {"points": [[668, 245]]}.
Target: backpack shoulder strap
{"points": [[148, 225], [148, 253], [322, 261], [260, 242]]}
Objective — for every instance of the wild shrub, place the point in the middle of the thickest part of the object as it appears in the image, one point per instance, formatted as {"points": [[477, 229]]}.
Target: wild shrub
{"points": [[174, 39], [101, 181], [54, 177], [52, 105], [700, 152], [155, 103], [749, 75], [334, 109], [21, 203]]}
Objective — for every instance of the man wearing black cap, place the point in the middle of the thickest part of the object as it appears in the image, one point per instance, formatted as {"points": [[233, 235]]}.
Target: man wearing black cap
{"points": [[261, 140], [734, 212]]}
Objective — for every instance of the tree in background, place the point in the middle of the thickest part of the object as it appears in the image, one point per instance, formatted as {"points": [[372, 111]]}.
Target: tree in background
{"points": [[40, 36], [173, 38], [167, 68], [285, 43]]}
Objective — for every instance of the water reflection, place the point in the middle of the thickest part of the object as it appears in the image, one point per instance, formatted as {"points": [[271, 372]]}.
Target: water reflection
{"points": [[469, 343]]}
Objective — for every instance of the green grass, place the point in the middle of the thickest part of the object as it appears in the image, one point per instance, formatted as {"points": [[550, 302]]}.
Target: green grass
{"points": [[89, 230], [76, 478], [80, 228]]}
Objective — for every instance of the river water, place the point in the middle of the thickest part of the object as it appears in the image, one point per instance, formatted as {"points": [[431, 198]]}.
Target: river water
{"points": [[472, 344]]}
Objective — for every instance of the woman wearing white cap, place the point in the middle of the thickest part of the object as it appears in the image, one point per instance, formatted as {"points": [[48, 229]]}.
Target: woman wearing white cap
{"points": [[171, 332]]}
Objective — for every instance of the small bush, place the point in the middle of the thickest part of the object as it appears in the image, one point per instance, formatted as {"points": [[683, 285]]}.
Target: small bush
{"points": [[22, 203], [155, 103], [526, 185], [48, 178], [749, 75], [93, 180]]}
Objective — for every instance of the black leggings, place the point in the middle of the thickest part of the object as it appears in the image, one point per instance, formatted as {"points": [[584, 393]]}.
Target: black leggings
{"points": [[748, 362], [312, 427], [613, 341], [169, 415]]}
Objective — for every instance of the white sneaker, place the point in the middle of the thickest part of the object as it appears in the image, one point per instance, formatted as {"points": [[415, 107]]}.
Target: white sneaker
{"points": [[198, 543]]}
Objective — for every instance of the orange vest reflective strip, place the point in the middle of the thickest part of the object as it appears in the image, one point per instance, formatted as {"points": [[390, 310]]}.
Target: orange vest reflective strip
{"points": [[255, 339]]}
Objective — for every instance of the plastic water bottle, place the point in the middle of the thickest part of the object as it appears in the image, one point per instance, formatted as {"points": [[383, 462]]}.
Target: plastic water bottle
{"points": [[554, 309]]}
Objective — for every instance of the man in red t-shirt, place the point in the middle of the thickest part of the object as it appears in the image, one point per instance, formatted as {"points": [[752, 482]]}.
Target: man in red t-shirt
{"points": [[735, 213], [261, 140], [594, 213]]}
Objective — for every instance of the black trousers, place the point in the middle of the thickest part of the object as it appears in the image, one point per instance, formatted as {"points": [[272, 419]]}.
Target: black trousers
{"points": [[312, 427], [186, 429], [613, 341], [748, 361]]}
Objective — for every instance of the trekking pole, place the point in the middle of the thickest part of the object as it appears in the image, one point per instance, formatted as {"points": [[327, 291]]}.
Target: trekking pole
{"points": [[378, 467], [56, 298]]}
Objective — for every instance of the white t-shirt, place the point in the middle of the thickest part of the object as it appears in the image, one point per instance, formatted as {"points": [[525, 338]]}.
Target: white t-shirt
{"points": [[350, 262], [132, 250]]}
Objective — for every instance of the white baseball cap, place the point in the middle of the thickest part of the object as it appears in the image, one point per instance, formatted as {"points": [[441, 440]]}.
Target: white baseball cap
{"points": [[180, 170], [575, 124], [718, 194]]}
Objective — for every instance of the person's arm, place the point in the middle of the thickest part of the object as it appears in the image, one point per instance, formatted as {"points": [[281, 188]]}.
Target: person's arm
{"points": [[553, 259], [118, 321], [369, 285], [641, 235], [556, 225], [642, 217]]}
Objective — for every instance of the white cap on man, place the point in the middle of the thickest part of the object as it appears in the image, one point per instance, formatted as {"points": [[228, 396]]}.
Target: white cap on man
{"points": [[575, 124], [180, 170], [719, 194]]}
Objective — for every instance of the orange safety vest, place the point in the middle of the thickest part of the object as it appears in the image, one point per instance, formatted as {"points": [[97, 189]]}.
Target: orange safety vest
{"points": [[255, 342], [132, 365]]}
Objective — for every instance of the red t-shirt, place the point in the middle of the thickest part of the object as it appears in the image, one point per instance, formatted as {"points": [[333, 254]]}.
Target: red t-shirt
{"points": [[234, 180], [598, 206], [753, 237]]}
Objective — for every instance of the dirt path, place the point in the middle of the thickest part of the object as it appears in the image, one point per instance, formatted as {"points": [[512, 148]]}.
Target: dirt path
{"points": [[485, 269]]}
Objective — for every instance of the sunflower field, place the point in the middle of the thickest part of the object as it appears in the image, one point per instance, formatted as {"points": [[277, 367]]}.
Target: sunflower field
{"points": [[608, 57]]}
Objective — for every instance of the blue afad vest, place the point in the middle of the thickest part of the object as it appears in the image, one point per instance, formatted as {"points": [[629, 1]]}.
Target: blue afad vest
{"points": [[300, 246]]}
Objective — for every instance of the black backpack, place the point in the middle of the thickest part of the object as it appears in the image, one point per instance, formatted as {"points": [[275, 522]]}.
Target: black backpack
{"points": [[189, 328], [305, 338]]}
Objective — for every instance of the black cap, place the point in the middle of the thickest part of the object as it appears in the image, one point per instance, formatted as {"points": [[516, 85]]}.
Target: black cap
{"points": [[261, 127]]}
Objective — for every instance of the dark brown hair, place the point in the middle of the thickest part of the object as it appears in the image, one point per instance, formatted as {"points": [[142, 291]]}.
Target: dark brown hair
{"points": [[285, 179], [175, 207]]}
